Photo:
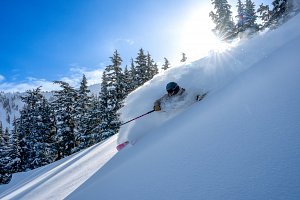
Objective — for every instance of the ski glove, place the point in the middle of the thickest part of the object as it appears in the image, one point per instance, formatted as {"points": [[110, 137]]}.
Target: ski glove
{"points": [[157, 108]]}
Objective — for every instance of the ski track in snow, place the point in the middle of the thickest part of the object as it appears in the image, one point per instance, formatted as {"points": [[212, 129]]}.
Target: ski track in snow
{"points": [[64, 178]]}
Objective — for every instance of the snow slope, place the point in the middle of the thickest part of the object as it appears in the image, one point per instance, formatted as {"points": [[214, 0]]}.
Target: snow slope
{"points": [[241, 142], [61, 178], [10, 104], [211, 74]]}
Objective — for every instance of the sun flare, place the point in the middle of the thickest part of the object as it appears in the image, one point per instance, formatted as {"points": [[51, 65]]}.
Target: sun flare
{"points": [[196, 38]]}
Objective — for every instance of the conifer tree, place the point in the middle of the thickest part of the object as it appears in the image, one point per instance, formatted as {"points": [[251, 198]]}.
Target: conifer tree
{"points": [[35, 128], [1, 133], [279, 13], [264, 15], [64, 108], [240, 16], [155, 69], [5, 171], [222, 18], [27, 128], [25, 137], [45, 147], [184, 58], [15, 148], [151, 69], [134, 76], [104, 110], [115, 94], [141, 68], [128, 81], [83, 105], [95, 121], [250, 16], [166, 64]]}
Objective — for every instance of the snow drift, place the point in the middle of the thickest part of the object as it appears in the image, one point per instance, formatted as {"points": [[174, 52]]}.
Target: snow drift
{"points": [[208, 74]]}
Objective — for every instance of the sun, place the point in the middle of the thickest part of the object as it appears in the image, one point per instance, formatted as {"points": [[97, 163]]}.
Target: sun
{"points": [[196, 38]]}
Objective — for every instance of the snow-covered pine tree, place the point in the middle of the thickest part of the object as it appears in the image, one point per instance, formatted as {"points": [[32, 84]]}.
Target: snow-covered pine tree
{"points": [[264, 15], [152, 69], [15, 148], [166, 64], [83, 132], [141, 68], [115, 78], [104, 109], [184, 58], [27, 128], [250, 17], [46, 151], [240, 16], [35, 128], [155, 69], [1, 132], [134, 77], [279, 12], [64, 109], [222, 18], [128, 81], [95, 121], [5, 172], [3, 137], [115, 95]]}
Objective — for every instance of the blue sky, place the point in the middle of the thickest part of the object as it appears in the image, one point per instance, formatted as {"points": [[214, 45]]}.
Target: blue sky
{"points": [[46, 40]]}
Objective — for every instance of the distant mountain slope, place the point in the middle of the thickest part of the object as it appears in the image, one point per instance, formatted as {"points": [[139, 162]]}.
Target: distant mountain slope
{"points": [[11, 104]]}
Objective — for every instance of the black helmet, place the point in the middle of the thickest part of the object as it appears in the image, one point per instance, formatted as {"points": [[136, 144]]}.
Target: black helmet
{"points": [[172, 88]]}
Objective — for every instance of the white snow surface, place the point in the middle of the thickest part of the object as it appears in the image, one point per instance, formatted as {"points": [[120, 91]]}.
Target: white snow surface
{"points": [[59, 179], [241, 142]]}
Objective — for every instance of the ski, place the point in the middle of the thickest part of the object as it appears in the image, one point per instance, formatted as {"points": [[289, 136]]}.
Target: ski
{"points": [[122, 145]]}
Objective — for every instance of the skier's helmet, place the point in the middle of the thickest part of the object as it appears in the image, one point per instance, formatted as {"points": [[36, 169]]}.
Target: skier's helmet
{"points": [[172, 88]]}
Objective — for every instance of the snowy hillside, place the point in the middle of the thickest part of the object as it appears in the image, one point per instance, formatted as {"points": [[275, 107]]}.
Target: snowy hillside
{"points": [[10, 105], [241, 142], [60, 178]]}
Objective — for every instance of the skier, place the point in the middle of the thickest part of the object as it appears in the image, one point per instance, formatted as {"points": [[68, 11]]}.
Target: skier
{"points": [[174, 92]]}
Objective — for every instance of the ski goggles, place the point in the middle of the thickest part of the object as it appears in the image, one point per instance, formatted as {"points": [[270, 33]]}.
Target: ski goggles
{"points": [[171, 91]]}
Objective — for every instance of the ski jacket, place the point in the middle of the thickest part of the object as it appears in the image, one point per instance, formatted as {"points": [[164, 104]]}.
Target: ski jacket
{"points": [[167, 98]]}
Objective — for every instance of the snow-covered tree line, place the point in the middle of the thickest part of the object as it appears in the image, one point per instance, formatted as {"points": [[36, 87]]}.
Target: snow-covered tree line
{"points": [[73, 120], [249, 20]]}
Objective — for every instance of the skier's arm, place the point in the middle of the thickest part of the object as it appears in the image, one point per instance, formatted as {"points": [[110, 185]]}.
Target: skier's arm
{"points": [[157, 103], [156, 106]]}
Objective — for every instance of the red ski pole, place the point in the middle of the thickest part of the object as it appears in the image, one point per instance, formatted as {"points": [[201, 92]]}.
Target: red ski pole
{"points": [[137, 117]]}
